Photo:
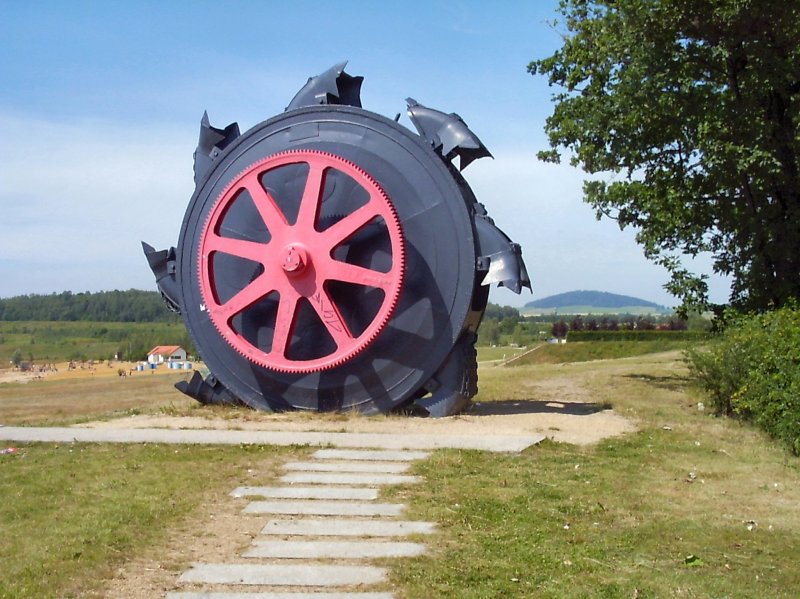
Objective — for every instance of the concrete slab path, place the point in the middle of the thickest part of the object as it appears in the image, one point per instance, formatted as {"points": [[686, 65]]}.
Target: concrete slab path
{"points": [[230, 437], [321, 527], [334, 517], [378, 455], [324, 508], [301, 575], [353, 478], [325, 466], [278, 595], [316, 492], [280, 549]]}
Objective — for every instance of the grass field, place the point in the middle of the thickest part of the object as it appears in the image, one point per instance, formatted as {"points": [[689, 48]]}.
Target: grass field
{"points": [[689, 506], [498, 353], [59, 341], [72, 514], [583, 351]]}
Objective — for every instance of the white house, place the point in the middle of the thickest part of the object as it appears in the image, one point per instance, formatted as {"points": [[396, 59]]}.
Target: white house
{"points": [[166, 353]]}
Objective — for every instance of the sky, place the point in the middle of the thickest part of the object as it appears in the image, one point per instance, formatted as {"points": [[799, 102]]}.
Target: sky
{"points": [[100, 104]]}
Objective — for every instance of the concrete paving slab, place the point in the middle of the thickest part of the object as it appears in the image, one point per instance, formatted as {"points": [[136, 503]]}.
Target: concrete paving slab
{"points": [[301, 575], [268, 595], [385, 455], [377, 467], [498, 443], [333, 549], [325, 527], [324, 508], [316, 492], [352, 478]]}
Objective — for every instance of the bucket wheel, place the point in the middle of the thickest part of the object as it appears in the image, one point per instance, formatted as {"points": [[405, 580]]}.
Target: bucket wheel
{"points": [[332, 259]]}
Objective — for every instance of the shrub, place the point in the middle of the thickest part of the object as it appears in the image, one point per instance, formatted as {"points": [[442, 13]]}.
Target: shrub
{"points": [[637, 335], [752, 371]]}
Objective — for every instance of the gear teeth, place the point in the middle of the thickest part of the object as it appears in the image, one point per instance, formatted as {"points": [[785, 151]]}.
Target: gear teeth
{"points": [[397, 272]]}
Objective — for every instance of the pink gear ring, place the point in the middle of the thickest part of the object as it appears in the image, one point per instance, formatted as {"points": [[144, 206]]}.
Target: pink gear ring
{"points": [[298, 262]]}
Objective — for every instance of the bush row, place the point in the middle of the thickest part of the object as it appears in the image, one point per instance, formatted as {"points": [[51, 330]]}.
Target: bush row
{"points": [[649, 335], [752, 371]]}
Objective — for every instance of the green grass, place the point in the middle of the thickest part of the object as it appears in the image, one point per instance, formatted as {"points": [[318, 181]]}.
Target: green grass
{"points": [[583, 351], [660, 513], [491, 354], [71, 514]]}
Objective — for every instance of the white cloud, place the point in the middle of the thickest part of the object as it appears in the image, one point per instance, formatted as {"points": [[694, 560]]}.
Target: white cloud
{"points": [[77, 198]]}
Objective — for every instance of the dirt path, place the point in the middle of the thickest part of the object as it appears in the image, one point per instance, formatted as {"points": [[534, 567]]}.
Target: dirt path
{"points": [[564, 410]]}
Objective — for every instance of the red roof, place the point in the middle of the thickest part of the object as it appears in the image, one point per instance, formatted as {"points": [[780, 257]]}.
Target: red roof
{"points": [[164, 350]]}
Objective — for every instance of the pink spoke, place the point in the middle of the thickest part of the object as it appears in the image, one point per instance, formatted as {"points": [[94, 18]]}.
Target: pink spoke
{"points": [[284, 321], [330, 317], [312, 196], [350, 273], [250, 250], [265, 204], [248, 296], [345, 228]]}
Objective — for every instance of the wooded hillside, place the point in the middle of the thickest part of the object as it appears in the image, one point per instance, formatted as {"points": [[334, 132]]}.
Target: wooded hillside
{"points": [[133, 305]]}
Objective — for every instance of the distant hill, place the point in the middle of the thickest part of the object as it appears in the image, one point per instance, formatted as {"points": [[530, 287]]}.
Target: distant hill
{"points": [[597, 302]]}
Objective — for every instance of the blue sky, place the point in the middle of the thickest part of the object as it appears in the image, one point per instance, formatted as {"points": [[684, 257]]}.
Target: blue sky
{"points": [[100, 104]]}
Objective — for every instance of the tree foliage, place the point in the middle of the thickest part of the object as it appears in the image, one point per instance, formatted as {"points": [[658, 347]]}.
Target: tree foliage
{"points": [[499, 312], [133, 305], [688, 109]]}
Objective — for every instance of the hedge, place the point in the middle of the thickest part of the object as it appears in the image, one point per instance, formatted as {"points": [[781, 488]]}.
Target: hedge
{"points": [[648, 335], [753, 372]]}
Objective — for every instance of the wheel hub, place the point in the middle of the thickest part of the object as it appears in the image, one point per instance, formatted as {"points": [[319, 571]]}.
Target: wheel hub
{"points": [[295, 259]]}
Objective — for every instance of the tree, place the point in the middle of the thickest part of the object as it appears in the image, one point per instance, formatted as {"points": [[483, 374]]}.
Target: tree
{"points": [[499, 312], [489, 332], [507, 325], [688, 111], [520, 335], [560, 329]]}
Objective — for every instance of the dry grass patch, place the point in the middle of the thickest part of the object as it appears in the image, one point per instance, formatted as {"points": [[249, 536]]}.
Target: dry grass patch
{"points": [[70, 399]]}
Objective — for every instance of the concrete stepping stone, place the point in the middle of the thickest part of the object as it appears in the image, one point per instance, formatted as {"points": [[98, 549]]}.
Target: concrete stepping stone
{"points": [[348, 478], [269, 595], [333, 549], [376, 455], [324, 508], [318, 492], [301, 575], [313, 527], [376, 467], [515, 443]]}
